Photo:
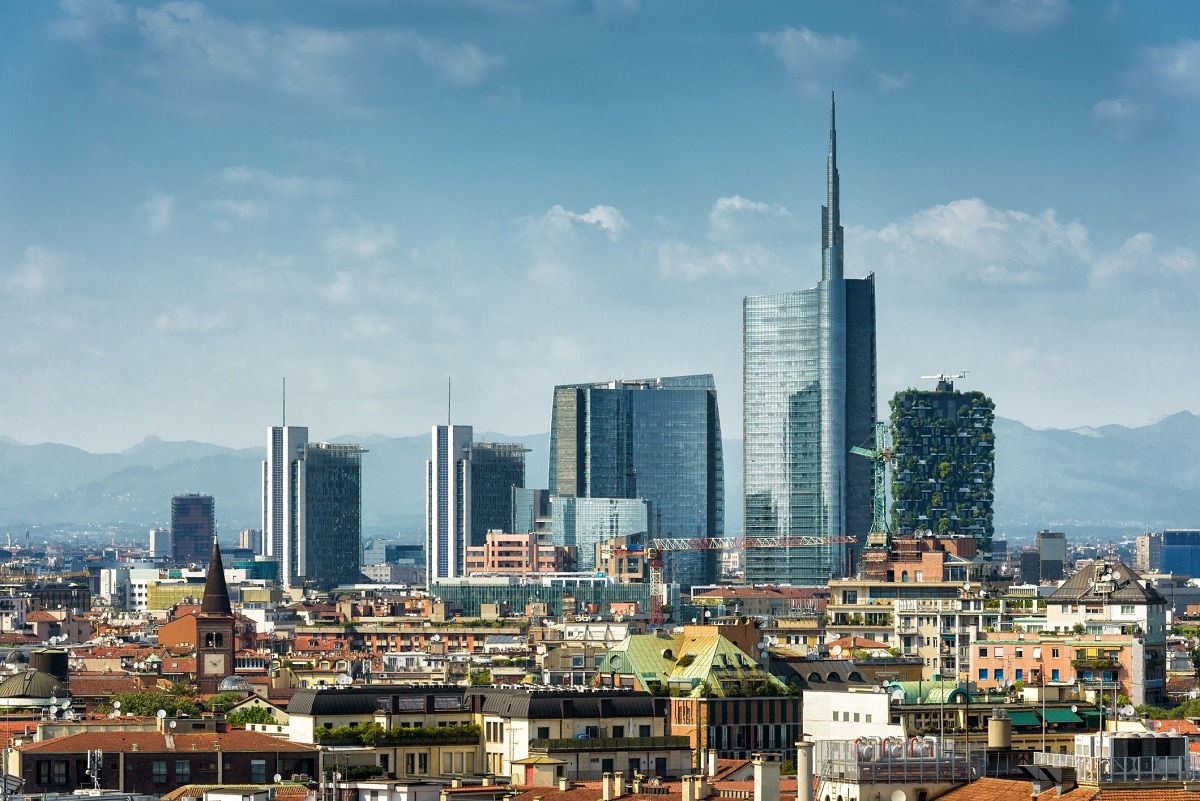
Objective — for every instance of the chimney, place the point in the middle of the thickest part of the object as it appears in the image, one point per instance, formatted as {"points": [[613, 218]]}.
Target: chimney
{"points": [[687, 793], [637, 784], [766, 778], [486, 781], [618, 784], [712, 764], [456, 782], [562, 784], [606, 787], [804, 770], [700, 787]]}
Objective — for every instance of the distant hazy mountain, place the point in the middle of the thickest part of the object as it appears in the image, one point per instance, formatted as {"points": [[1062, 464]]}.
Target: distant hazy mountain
{"points": [[1109, 480]]}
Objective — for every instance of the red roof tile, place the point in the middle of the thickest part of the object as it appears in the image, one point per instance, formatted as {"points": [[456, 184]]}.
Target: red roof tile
{"points": [[155, 742]]}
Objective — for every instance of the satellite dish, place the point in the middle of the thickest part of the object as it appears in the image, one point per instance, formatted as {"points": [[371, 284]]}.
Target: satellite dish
{"points": [[53, 700], [1074, 708], [898, 795], [1071, 682], [1128, 711], [160, 714], [836, 650], [343, 680], [436, 638], [278, 778], [116, 704], [172, 724]]}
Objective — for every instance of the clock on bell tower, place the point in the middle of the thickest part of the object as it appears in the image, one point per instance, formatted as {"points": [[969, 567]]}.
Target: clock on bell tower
{"points": [[216, 628]]}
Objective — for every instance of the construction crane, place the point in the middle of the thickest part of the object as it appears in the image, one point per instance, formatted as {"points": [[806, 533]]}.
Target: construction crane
{"points": [[945, 380], [658, 545], [880, 455]]}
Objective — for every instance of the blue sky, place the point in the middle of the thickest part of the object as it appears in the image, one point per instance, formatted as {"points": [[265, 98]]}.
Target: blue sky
{"points": [[367, 197]]}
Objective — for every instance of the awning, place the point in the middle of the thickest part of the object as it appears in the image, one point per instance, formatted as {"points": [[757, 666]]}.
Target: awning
{"points": [[1091, 717], [1022, 717], [1061, 716]]}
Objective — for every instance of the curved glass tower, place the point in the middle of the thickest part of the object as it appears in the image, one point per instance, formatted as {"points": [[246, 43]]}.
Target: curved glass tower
{"points": [[808, 388]]}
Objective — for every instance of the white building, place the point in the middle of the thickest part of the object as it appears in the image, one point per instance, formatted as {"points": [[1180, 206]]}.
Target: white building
{"points": [[447, 502], [844, 713], [160, 543], [280, 516]]}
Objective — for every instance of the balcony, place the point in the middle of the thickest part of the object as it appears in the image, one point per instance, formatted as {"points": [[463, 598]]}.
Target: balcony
{"points": [[1095, 662], [611, 744]]}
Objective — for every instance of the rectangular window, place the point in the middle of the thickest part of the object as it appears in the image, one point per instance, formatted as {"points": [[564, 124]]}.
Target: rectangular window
{"points": [[998, 652], [258, 771], [1127, 609], [1020, 674], [1054, 674], [983, 674], [868, 716], [543, 733], [618, 731], [983, 651], [998, 674], [183, 771], [1054, 654], [856, 717], [644, 730], [60, 772], [43, 772], [1020, 653], [158, 771]]}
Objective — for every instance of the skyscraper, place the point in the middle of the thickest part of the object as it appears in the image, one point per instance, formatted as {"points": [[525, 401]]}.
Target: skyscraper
{"points": [[944, 464], [447, 502], [312, 510], [808, 397], [193, 526], [658, 439], [496, 469], [329, 543], [280, 516]]}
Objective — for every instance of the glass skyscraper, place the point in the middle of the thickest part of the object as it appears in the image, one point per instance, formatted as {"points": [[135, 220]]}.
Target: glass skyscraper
{"points": [[497, 468], [658, 439], [330, 491], [585, 522], [808, 397]]}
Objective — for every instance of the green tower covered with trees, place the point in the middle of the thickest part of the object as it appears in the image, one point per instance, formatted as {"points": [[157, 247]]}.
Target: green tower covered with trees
{"points": [[943, 470]]}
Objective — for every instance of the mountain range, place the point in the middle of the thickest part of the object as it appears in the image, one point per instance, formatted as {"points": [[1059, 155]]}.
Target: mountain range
{"points": [[1111, 481]]}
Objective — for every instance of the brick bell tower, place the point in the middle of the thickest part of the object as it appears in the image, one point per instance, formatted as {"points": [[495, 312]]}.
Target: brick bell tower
{"points": [[215, 628]]}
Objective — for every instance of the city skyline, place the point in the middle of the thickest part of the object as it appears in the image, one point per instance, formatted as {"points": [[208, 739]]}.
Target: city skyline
{"points": [[392, 183]]}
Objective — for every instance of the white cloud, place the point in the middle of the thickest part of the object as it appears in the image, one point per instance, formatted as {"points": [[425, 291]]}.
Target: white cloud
{"points": [[734, 217], [1115, 109], [679, 261], [893, 83], [1020, 17], [342, 288], [243, 210], [560, 240], [363, 326], [91, 20], [1173, 69], [809, 56], [184, 320], [158, 211], [461, 63], [365, 241], [606, 218], [976, 242], [281, 185], [1140, 259], [37, 273]]}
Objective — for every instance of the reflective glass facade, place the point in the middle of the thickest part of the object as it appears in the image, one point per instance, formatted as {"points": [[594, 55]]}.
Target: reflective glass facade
{"points": [[584, 522], [496, 469], [809, 396], [658, 439], [331, 492]]}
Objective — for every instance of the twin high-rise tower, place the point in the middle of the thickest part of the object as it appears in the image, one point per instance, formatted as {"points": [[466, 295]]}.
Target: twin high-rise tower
{"points": [[808, 397]]}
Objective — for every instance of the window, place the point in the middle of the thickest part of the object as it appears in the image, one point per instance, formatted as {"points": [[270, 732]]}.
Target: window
{"points": [[835, 715], [998, 674], [158, 771], [856, 717], [543, 732], [983, 651], [618, 731], [1054, 674], [60, 772], [43, 772], [1054, 655], [1020, 674], [868, 720], [998, 652], [183, 771], [258, 771], [644, 730], [1020, 653], [1127, 609], [983, 674]]}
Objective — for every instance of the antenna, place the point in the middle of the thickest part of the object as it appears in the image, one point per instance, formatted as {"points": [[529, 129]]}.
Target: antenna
{"points": [[285, 402], [448, 401]]}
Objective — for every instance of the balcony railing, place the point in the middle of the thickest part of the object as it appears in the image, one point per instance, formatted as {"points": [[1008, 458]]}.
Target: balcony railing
{"points": [[1094, 662], [611, 744]]}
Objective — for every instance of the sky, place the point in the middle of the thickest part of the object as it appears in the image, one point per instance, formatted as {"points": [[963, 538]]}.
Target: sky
{"points": [[370, 198]]}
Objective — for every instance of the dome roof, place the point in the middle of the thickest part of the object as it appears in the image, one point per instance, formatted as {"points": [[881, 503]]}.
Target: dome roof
{"points": [[234, 684], [15, 657], [32, 684]]}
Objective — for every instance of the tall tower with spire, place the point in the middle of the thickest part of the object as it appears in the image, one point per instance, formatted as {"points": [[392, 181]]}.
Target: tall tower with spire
{"points": [[809, 395], [216, 627]]}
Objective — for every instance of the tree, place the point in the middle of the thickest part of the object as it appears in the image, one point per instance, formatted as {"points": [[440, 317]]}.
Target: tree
{"points": [[147, 704], [1196, 662], [481, 678], [224, 700], [250, 714]]}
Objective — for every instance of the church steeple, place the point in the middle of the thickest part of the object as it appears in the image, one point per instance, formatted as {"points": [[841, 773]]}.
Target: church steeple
{"points": [[831, 215], [216, 591]]}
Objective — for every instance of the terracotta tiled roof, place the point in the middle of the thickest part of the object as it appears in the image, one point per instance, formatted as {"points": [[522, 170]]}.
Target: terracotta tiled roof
{"points": [[1014, 790], [857, 643], [291, 791], [155, 742], [102, 684], [1181, 726], [41, 617]]}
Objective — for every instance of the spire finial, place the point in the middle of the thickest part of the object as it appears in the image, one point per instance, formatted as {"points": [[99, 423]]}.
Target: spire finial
{"points": [[831, 218]]}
